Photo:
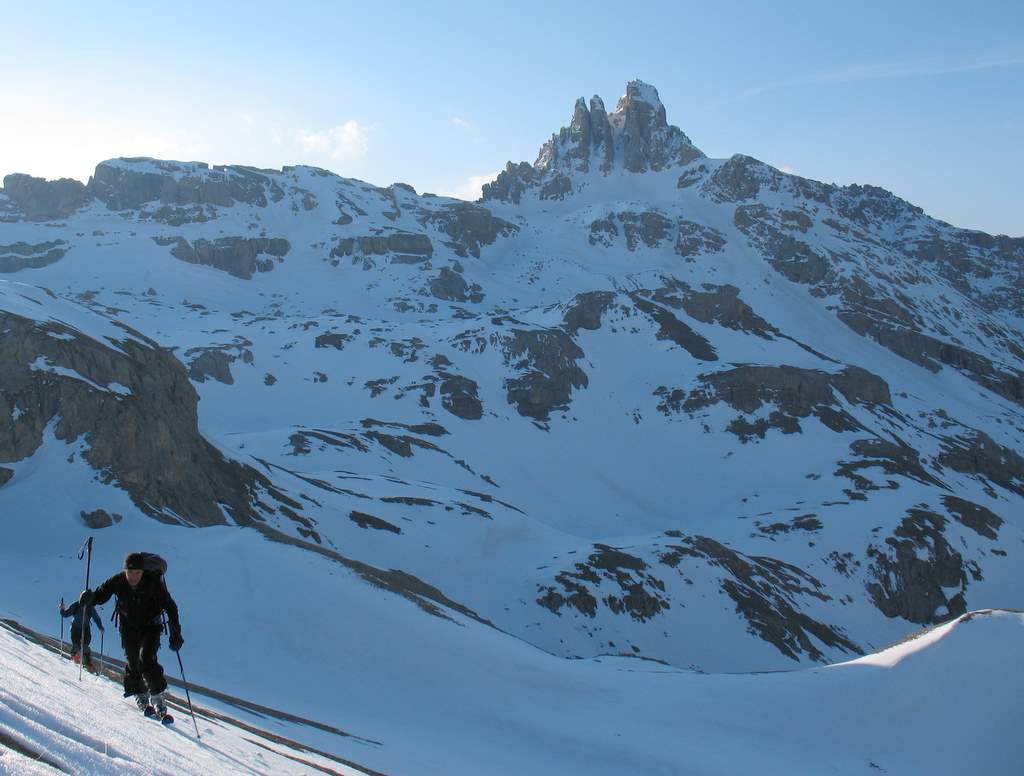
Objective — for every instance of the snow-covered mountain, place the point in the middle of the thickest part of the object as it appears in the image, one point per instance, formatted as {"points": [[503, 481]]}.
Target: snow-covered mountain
{"points": [[633, 402]]}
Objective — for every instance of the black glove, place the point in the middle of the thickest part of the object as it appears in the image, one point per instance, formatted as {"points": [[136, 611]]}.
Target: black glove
{"points": [[86, 598], [175, 641]]}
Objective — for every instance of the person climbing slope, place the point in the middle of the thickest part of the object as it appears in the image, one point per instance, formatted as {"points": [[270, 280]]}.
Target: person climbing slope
{"points": [[142, 599], [81, 632]]}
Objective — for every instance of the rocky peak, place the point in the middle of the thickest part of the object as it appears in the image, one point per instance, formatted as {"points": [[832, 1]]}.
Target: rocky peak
{"points": [[646, 137], [128, 183], [640, 103], [636, 137], [41, 200]]}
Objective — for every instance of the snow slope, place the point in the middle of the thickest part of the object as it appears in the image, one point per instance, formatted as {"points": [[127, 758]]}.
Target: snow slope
{"points": [[909, 709], [53, 722]]}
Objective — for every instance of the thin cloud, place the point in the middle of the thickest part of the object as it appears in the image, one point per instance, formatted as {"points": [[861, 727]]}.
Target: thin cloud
{"points": [[913, 68], [344, 142], [461, 122], [472, 188]]}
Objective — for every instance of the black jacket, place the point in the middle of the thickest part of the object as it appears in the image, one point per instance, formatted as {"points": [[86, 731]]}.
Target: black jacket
{"points": [[139, 608]]}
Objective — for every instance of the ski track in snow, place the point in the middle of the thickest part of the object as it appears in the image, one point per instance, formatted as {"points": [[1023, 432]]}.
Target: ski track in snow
{"points": [[87, 727], [875, 714]]}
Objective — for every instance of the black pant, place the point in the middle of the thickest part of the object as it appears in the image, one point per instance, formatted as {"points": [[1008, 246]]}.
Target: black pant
{"points": [[142, 672], [76, 641]]}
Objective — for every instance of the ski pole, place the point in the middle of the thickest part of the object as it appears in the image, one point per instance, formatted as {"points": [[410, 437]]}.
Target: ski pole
{"points": [[62, 626], [184, 681], [86, 546], [103, 633]]}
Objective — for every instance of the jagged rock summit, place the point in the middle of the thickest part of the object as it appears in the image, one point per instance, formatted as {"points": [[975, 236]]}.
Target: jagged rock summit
{"points": [[636, 138]]}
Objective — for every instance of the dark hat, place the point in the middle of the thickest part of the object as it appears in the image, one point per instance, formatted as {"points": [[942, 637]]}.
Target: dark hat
{"points": [[133, 560]]}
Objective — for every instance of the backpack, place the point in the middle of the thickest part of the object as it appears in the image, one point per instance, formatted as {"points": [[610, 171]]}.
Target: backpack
{"points": [[153, 562]]}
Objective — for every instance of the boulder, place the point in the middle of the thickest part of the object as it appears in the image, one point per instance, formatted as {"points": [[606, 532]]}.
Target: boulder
{"points": [[100, 518]]}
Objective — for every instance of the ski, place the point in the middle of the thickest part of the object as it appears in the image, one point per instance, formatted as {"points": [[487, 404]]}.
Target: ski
{"points": [[166, 719]]}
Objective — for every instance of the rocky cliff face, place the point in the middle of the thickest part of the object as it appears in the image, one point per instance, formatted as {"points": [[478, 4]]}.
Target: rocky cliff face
{"points": [[41, 200], [134, 406], [122, 185]]}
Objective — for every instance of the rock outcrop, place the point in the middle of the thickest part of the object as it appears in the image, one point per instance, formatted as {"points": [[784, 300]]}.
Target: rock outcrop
{"points": [[132, 404], [131, 183], [42, 200], [795, 393], [768, 593], [469, 227], [20, 255], [546, 360], [403, 247], [450, 286], [916, 568], [636, 137], [239, 256]]}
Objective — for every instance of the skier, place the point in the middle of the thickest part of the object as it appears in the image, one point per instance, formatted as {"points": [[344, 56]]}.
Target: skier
{"points": [[81, 633], [142, 597]]}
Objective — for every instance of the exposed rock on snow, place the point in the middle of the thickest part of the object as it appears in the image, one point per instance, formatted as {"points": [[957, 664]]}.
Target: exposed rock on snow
{"points": [[546, 361], [100, 518], [364, 520], [979, 455], [131, 183], [147, 441], [452, 287], [585, 311], [42, 200], [459, 395], [469, 227], [914, 587], [765, 591], [671, 328], [239, 256], [209, 363], [379, 245], [20, 255]]}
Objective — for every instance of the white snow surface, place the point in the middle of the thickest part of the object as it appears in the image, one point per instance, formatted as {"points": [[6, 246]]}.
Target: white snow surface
{"points": [[865, 716], [84, 726]]}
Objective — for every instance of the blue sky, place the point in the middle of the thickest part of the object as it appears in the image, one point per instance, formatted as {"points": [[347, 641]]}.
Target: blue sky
{"points": [[923, 98]]}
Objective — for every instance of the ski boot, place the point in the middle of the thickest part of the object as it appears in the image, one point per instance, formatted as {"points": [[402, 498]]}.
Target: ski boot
{"points": [[142, 701], [160, 708]]}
